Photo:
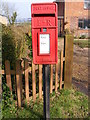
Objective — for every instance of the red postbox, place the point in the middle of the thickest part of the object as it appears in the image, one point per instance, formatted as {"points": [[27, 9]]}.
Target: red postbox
{"points": [[44, 33]]}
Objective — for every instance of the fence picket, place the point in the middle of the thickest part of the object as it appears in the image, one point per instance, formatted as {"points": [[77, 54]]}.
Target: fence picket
{"points": [[33, 82], [8, 74], [40, 81], [61, 68], [18, 82], [51, 79], [26, 80], [56, 78]]}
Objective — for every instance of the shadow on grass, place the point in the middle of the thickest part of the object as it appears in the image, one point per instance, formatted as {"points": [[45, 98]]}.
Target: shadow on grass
{"points": [[81, 85], [29, 112]]}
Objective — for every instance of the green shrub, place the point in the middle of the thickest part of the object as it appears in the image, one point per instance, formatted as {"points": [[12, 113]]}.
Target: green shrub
{"points": [[14, 44], [7, 97], [20, 41], [82, 37], [8, 103], [82, 43], [29, 44], [8, 46]]}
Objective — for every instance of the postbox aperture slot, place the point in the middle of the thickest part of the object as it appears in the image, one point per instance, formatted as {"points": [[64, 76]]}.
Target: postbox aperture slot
{"points": [[43, 15]]}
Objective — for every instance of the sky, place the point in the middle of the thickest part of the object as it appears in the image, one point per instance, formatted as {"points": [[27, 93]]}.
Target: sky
{"points": [[23, 7]]}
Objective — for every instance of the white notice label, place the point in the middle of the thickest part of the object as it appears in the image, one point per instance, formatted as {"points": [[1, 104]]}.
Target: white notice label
{"points": [[44, 43]]}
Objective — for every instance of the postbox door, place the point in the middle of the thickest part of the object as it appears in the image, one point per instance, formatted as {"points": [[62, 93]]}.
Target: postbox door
{"points": [[48, 56]]}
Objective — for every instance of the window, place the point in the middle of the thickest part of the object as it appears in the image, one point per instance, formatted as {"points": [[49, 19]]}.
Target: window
{"points": [[81, 23], [84, 23], [86, 4]]}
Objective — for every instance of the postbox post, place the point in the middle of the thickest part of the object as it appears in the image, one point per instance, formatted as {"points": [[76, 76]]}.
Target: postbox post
{"points": [[46, 91], [44, 43]]}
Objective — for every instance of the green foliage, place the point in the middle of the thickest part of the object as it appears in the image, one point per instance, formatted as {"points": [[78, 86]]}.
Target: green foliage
{"points": [[12, 19], [9, 11], [20, 41], [63, 104], [69, 104], [8, 45], [13, 44], [7, 96], [29, 43], [8, 104], [82, 43], [82, 37]]}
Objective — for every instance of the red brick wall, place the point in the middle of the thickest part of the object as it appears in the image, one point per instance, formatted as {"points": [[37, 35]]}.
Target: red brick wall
{"points": [[73, 12]]}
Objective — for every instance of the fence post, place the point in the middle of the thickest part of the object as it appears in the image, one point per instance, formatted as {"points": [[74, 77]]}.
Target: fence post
{"points": [[40, 81], [33, 82], [56, 78], [51, 78], [61, 68], [26, 80], [18, 82], [68, 61], [8, 74]]}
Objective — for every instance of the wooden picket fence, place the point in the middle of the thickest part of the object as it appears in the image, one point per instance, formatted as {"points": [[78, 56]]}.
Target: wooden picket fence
{"points": [[25, 67]]}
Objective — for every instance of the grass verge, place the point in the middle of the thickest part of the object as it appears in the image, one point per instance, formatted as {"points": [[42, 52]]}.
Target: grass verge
{"points": [[63, 104], [82, 43]]}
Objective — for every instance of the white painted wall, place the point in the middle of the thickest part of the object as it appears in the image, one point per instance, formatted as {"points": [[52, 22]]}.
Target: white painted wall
{"points": [[3, 20]]}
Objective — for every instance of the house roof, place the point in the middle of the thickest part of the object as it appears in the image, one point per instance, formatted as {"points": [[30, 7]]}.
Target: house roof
{"points": [[3, 15]]}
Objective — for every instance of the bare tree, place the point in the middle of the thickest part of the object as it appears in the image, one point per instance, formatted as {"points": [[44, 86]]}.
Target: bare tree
{"points": [[9, 12]]}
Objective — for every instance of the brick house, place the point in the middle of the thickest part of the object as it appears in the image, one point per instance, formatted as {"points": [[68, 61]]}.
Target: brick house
{"points": [[74, 16]]}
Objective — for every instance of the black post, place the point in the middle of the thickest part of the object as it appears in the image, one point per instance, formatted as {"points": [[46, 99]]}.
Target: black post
{"points": [[46, 91]]}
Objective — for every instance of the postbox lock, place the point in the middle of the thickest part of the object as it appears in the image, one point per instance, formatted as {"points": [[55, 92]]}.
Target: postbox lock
{"points": [[44, 30]]}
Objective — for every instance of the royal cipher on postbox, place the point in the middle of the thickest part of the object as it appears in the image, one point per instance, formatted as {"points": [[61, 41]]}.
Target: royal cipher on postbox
{"points": [[44, 33]]}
